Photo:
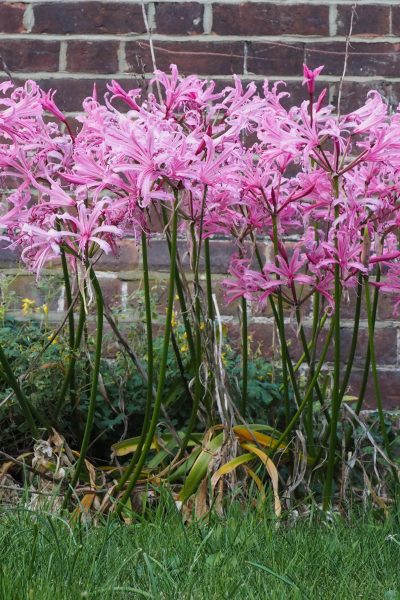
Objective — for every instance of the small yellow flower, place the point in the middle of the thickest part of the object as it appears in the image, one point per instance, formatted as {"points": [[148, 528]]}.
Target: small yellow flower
{"points": [[27, 305], [202, 326], [184, 348], [173, 320], [45, 309], [55, 341]]}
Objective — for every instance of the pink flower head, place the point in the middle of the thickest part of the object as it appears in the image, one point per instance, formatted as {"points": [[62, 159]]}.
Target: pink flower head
{"points": [[49, 105], [128, 97], [309, 77]]}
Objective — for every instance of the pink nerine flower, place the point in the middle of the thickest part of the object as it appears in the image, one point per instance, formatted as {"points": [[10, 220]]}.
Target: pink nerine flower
{"points": [[309, 77]]}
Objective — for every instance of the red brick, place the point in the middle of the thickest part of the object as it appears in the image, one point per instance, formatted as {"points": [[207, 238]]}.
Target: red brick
{"points": [[275, 59], [88, 17], [270, 19], [174, 18], [365, 59], [220, 251], [369, 20], [202, 58], [92, 57], [390, 389], [396, 20], [71, 92], [11, 17], [354, 94], [30, 55], [385, 345], [126, 259], [111, 289]]}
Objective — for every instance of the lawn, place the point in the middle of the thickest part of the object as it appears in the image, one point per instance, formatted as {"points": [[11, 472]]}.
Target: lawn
{"points": [[244, 556]]}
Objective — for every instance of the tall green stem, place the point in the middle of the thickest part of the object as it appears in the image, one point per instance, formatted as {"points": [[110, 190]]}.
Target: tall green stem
{"points": [[198, 349], [308, 393], [328, 488], [281, 328], [68, 295], [245, 358], [94, 385], [150, 367], [368, 355], [353, 344], [207, 259], [181, 296], [163, 365], [72, 362], [314, 338], [377, 389], [352, 352]]}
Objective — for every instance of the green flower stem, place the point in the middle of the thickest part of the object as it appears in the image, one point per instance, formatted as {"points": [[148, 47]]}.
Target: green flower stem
{"points": [[94, 386], [281, 327], [281, 331], [207, 259], [150, 368], [198, 388], [308, 346], [308, 393], [328, 488], [245, 352], [68, 294], [308, 424], [368, 355], [314, 338], [210, 314], [181, 296], [353, 344], [163, 366], [72, 362], [27, 409], [377, 389]]}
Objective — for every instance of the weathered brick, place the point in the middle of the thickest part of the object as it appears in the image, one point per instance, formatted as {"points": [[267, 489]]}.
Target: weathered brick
{"points": [[249, 19], [202, 58], [111, 289], [275, 59], [220, 253], [396, 20], [88, 17], [30, 55], [127, 257], [71, 92], [369, 20], [92, 57], [176, 18], [11, 17], [389, 383], [365, 59], [355, 93]]}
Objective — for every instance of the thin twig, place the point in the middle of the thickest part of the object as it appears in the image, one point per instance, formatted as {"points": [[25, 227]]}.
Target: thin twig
{"points": [[346, 55], [152, 53]]}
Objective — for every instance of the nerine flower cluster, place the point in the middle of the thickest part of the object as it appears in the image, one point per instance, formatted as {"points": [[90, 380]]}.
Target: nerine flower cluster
{"points": [[239, 161]]}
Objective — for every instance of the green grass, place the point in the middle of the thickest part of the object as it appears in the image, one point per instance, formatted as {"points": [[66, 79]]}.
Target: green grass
{"points": [[244, 556]]}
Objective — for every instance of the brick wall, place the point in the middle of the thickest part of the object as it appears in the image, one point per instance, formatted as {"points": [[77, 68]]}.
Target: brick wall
{"points": [[69, 45]]}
